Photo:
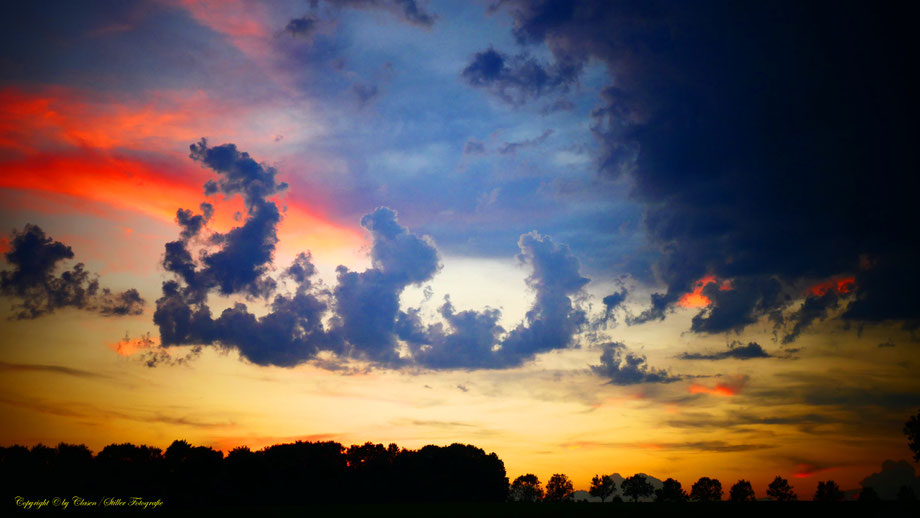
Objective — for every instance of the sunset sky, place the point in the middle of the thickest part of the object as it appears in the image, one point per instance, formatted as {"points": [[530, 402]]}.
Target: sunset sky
{"points": [[676, 238]]}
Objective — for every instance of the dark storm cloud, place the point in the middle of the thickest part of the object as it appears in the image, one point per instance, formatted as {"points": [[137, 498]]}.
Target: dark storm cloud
{"points": [[622, 367], [516, 79], [735, 351], [771, 145], [32, 282], [409, 10], [734, 309]]}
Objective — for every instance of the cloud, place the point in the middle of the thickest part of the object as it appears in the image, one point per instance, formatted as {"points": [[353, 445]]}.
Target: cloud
{"points": [[611, 303], [474, 147], [33, 283], [510, 148], [727, 172], [730, 387], [622, 367], [242, 256], [735, 351], [471, 338], [54, 369], [517, 79], [408, 10], [367, 303], [557, 106], [360, 317], [95, 414], [303, 27], [891, 478], [365, 93]]}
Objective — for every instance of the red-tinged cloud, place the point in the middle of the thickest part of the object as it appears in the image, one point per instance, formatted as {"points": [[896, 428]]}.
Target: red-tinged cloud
{"points": [[55, 116], [808, 470], [146, 187], [841, 286], [128, 346], [732, 387], [696, 299]]}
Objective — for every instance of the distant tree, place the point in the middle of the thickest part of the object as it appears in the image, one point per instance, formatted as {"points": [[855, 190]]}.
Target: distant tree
{"points": [[559, 489], [780, 490], [828, 492], [671, 491], [867, 494], [602, 486], [912, 430], [636, 487], [526, 488], [706, 490], [906, 494], [742, 492]]}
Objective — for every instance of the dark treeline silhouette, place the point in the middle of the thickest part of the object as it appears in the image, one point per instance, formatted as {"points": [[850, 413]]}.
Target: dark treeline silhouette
{"points": [[295, 473]]}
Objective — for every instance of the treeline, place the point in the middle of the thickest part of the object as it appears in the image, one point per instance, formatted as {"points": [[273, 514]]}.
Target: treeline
{"points": [[294, 473], [527, 488]]}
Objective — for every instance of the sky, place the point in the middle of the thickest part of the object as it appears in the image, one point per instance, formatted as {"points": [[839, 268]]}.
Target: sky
{"points": [[677, 238]]}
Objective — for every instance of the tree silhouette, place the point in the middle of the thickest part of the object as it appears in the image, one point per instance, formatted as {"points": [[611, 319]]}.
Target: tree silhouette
{"points": [[742, 492], [526, 488], [868, 495], [912, 430], [706, 490], [828, 492], [130, 469], [780, 490], [636, 487], [671, 491], [559, 489], [602, 486], [906, 494]]}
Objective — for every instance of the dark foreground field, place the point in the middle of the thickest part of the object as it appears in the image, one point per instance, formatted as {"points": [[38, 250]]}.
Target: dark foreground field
{"points": [[707, 510]]}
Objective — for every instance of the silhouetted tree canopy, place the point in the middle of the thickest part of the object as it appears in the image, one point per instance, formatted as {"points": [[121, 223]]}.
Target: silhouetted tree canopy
{"points": [[828, 492], [559, 489], [780, 490], [636, 487], [742, 491], [706, 490], [671, 491], [906, 494], [602, 486], [912, 430], [868, 495], [526, 488], [283, 474]]}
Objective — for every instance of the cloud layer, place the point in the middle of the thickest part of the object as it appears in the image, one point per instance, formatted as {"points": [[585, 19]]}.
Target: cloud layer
{"points": [[774, 177], [33, 283], [360, 318]]}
